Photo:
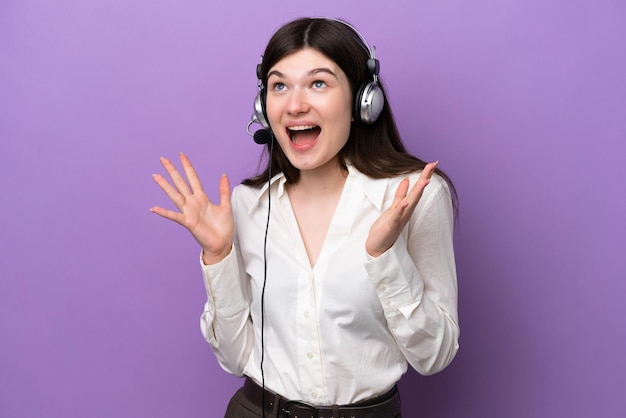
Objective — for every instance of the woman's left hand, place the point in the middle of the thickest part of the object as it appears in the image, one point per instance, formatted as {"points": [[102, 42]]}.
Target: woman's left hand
{"points": [[387, 228]]}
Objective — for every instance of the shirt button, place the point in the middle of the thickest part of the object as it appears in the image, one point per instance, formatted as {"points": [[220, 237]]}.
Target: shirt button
{"points": [[307, 314], [382, 288], [309, 355], [387, 302], [314, 395]]}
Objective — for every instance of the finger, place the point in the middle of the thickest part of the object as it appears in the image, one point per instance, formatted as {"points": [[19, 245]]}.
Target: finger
{"points": [[224, 191], [430, 168], [402, 190], [399, 201], [168, 214], [177, 179], [394, 213], [428, 171], [190, 172], [176, 198], [424, 179]]}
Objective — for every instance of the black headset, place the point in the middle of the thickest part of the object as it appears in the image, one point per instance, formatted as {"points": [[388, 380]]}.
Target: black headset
{"points": [[369, 99]]}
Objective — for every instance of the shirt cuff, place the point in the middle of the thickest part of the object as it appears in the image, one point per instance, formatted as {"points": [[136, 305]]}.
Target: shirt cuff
{"points": [[395, 277], [223, 285]]}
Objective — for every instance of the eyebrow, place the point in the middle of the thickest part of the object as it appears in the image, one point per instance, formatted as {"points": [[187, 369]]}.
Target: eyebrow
{"points": [[309, 73]]}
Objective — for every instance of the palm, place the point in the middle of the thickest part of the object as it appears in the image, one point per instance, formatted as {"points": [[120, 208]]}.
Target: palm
{"points": [[211, 225], [386, 229]]}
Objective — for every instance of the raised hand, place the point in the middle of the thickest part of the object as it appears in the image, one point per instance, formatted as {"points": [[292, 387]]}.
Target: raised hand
{"points": [[386, 229], [211, 225]]}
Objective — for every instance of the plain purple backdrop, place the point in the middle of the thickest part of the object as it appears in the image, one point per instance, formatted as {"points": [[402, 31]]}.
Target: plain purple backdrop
{"points": [[522, 101]]}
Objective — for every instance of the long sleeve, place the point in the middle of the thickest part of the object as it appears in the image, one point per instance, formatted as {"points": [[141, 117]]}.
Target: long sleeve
{"points": [[225, 321], [415, 281], [347, 328]]}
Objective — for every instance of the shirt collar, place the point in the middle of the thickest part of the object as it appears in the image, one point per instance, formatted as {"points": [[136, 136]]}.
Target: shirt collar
{"points": [[373, 189], [278, 178]]}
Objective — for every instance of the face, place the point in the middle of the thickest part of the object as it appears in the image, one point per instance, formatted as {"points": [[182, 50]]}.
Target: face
{"points": [[309, 107]]}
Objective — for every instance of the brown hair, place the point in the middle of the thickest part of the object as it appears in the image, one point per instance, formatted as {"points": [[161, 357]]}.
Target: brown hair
{"points": [[375, 150]]}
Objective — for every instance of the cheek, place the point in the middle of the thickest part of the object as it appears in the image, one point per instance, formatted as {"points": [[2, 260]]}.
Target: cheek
{"points": [[346, 109], [345, 132], [270, 110], [273, 109], [344, 118]]}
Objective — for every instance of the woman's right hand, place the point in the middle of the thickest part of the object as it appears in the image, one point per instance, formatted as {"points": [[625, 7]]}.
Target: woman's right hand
{"points": [[211, 225]]}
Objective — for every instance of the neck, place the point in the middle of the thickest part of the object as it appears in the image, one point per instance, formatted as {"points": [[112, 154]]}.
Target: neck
{"points": [[328, 180]]}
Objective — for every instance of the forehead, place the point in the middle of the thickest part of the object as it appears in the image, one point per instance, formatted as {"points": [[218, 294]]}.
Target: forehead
{"points": [[303, 61]]}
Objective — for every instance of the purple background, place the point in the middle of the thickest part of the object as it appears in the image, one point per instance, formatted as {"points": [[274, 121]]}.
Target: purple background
{"points": [[523, 101]]}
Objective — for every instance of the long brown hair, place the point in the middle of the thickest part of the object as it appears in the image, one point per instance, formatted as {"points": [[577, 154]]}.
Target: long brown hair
{"points": [[375, 150]]}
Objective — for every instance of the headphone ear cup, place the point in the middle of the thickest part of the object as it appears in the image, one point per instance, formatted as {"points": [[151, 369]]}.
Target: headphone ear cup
{"points": [[259, 109], [368, 103]]}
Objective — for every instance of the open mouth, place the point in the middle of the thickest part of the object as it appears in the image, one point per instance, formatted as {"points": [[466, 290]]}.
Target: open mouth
{"points": [[301, 135]]}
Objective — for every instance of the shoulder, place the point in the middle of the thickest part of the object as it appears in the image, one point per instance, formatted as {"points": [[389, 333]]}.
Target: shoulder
{"points": [[381, 192], [244, 197], [435, 202], [437, 188], [243, 192], [385, 188], [248, 197]]}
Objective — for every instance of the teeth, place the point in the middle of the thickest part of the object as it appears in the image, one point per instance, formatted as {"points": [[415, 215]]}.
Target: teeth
{"points": [[301, 128]]}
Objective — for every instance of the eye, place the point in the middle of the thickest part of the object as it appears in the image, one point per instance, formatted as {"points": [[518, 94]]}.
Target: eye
{"points": [[278, 86], [319, 84]]}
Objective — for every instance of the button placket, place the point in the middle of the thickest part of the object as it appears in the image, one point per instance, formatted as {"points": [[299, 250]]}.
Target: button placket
{"points": [[308, 338]]}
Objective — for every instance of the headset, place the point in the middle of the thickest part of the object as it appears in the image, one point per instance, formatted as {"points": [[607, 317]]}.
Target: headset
{"points": [[369, 98]]}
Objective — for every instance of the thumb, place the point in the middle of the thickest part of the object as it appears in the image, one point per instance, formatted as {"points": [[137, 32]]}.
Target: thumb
{"points": [[224, 191]]}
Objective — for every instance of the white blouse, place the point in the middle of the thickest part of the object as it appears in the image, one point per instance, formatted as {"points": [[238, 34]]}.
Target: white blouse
{"points": [[343, 330]]}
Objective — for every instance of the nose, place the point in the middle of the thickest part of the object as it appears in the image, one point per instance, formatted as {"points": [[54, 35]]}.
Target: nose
{"points": [[298, 102]]}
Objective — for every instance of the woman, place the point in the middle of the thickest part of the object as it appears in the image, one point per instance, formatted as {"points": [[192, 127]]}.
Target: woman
{"points": [[332, 270]]}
